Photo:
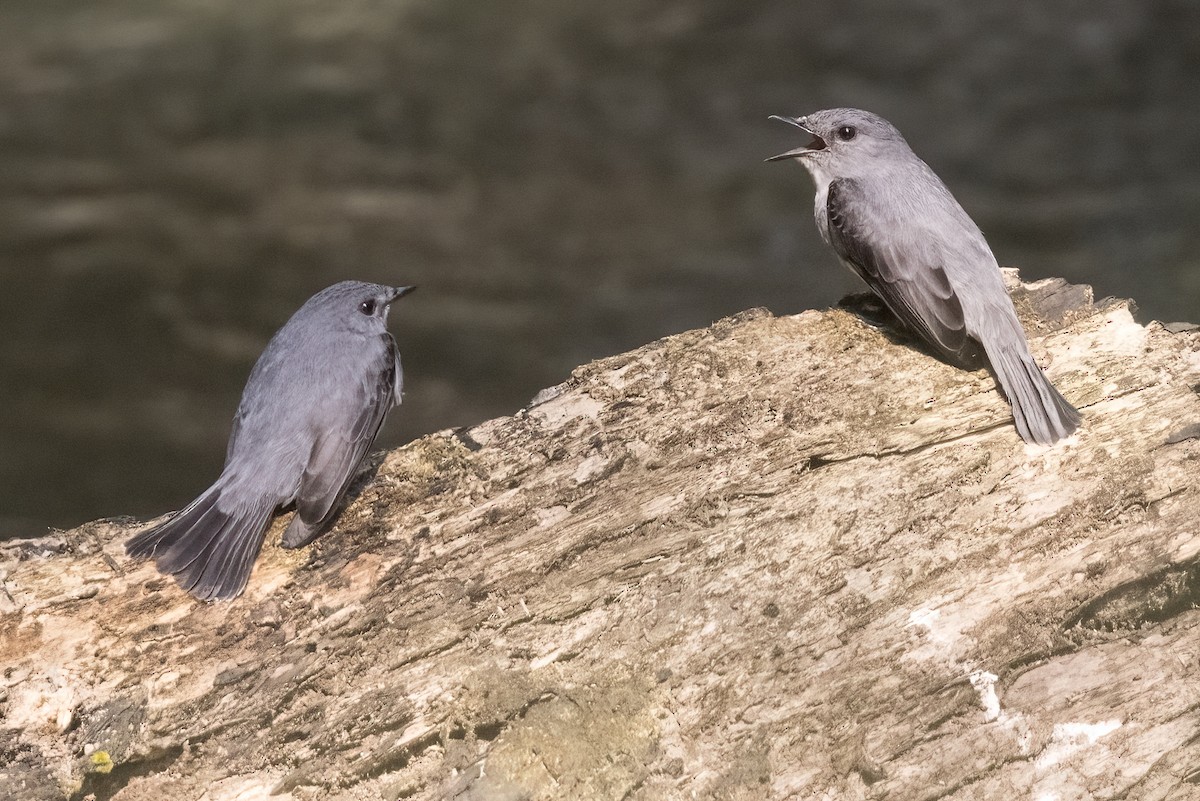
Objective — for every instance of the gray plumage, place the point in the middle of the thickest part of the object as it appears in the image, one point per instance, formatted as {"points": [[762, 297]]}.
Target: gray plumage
{"points": [[893, 222], [312, 406]]}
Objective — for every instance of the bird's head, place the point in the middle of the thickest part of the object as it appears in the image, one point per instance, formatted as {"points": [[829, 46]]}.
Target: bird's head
{"points": [[360, 306], [843, 141]]}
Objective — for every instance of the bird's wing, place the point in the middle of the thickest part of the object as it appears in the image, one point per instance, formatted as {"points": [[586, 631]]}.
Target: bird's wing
{"points": [[905, 269], [340, 448]]}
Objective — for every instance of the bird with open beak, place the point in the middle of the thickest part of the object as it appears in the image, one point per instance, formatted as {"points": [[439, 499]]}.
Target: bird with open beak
{"points": [[892, 221]]}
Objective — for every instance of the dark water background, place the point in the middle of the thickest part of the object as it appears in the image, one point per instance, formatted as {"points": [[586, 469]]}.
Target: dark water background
{"points": [[564, 180]]}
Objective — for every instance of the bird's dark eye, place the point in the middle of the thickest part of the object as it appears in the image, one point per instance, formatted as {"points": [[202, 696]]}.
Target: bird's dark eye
{"points": [[846, 133], [367, 307]]}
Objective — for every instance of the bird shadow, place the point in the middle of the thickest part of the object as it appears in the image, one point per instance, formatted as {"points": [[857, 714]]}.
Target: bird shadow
{"points": [[868, 308]]}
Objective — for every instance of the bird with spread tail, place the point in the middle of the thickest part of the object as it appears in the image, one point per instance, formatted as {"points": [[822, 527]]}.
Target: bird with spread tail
{"points": [[312, 406]]}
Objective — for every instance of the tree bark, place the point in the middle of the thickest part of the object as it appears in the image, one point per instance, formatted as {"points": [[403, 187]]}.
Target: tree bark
{"points": [[778, 558]]}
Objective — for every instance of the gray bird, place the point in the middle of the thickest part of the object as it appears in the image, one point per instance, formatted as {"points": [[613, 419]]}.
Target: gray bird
{"points": [[311, 408], [893, 222]]}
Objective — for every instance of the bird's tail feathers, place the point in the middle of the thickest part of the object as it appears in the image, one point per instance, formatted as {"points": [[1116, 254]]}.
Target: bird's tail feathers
{"points": [[208, 548], [1042, 415], [158, 539]]}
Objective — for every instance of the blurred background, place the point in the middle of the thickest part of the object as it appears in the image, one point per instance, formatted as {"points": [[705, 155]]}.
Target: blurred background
{"points": [[564, 180]]}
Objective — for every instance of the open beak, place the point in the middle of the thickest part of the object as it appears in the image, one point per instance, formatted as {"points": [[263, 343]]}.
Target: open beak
{"points": [[401, 291], [817, 142]]}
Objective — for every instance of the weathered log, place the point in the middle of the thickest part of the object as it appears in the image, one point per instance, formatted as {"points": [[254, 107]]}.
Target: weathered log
{"points": [[781, 557]]}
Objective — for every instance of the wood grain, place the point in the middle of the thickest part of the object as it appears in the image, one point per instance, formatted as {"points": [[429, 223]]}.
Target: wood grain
{"points": [[781, 558]]}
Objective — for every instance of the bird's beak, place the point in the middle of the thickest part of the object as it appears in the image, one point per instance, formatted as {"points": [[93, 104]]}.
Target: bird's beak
{"points": [[817, 142], [401, 291]]}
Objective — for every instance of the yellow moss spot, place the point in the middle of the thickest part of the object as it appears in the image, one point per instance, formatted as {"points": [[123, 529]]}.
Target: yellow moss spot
{"points": [[102, 762]]}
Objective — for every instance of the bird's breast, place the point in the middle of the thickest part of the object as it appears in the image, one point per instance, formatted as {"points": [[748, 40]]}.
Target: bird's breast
{"points": [[821, 210]]}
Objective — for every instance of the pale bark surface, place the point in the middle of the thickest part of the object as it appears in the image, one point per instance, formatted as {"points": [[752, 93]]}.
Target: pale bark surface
{"points": [[782, 557]]}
